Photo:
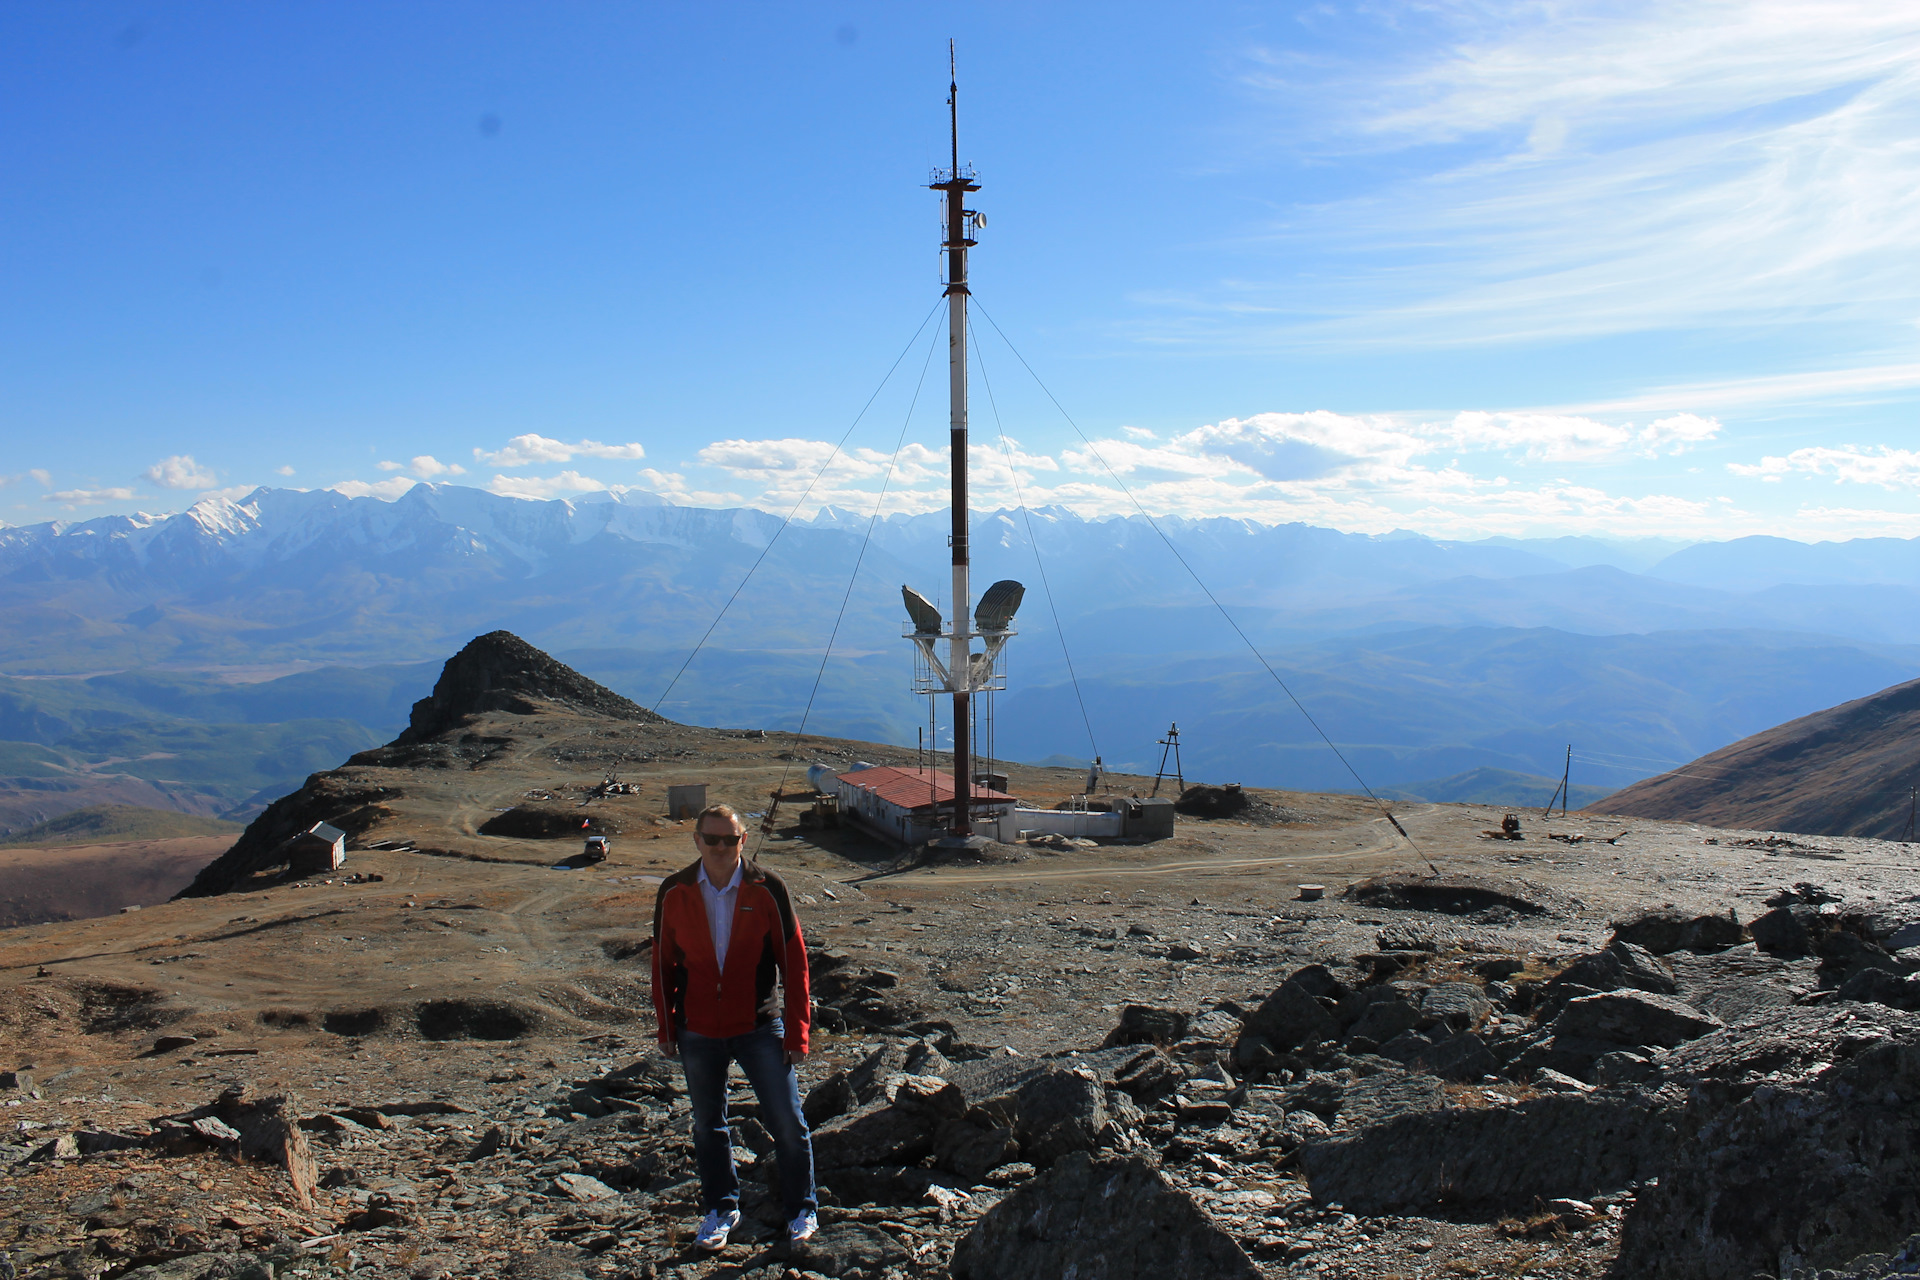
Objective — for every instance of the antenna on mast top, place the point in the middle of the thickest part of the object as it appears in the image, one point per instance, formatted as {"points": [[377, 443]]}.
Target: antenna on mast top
{"points": [[953, 104]]}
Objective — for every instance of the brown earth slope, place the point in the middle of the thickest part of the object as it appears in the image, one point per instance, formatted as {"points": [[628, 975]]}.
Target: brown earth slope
{"points": [[1844, 771], [1402, 1078]]}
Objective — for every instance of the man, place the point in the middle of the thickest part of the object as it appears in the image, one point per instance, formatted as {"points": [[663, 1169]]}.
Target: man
{"points": [[722, 929]]}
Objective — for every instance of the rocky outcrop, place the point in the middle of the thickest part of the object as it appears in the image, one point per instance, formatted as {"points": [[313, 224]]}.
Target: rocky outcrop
{"points": [[501, 672], [1495, 1156], [1106, 1219], [345, 798], [1799, 1148], [1664, 930]]}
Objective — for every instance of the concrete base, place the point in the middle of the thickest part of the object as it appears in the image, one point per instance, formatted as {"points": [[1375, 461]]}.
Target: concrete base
{"points": [[974, 843]]}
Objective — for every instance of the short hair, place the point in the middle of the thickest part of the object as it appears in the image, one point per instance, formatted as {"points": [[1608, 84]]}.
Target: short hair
{"points": [[719, 811]]}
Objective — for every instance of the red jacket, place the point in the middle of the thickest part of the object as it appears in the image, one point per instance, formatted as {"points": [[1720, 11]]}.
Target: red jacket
{"points": [[690, 990]]}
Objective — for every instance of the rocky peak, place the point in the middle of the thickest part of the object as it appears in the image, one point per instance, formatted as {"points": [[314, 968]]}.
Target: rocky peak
{"points": [[501, 672]]}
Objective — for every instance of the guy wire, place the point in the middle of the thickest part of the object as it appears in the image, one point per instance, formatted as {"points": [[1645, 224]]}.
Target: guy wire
{"points": [[886, 482], [766, 550], [1006, 446], [1208, 591]]}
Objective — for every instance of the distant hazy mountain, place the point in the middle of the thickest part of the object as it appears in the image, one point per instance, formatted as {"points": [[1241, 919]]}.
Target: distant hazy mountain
{"points": [[1844, 771], [1424, 658]]}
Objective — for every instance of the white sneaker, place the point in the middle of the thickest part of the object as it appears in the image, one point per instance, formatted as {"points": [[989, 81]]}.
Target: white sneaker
{"points": [[803, 1226], [714, 1230]]}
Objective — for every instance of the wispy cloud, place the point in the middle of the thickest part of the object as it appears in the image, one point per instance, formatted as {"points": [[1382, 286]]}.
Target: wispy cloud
{"points": [[88, 497], [531, 450], [1608, 168], [181, 472]]}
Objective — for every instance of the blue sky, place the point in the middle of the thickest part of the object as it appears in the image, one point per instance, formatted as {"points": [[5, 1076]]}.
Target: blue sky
{"points": [[1465, 268]]}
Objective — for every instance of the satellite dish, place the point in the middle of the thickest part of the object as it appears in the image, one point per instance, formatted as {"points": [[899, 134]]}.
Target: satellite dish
{"points": [[997, 605], [924, 613]]}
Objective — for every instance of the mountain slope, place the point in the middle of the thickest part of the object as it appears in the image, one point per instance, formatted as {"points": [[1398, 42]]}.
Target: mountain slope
{"points": [[1842, 771]]}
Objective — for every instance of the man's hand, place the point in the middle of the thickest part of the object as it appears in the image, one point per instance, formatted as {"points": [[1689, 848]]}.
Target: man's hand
{"points": [[670, 1047], [796, 1056]]}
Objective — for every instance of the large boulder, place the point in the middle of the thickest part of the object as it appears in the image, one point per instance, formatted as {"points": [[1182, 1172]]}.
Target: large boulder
{"points": [[1665, 930], [899, 1129], [1798, 1149], [1287, 1019], [1148, 1024], [1492, 1157], [1633, 1018], [1622, 964], [1110, 1219]]}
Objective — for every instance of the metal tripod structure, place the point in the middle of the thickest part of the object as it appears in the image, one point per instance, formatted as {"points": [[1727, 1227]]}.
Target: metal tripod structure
{"points": [[1169, 745]]}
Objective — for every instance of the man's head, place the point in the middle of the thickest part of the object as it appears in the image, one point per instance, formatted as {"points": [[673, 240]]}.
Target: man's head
{"points": [[719, 836]]}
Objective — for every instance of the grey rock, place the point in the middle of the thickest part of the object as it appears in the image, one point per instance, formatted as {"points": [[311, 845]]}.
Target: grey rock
{"points": [[1500, 1156], [1621, 965], [1379, 1097], [868, 1080], [877, 1134], [1551, 1081], [842, 1247], [1741, 982], [1793, 930], [581, 1188], [1059, 1112], [1289, 1018], [1110, 1219], [1458, 1005], [1300, 1127], [1843, 954], [1633, 1018], [971, 1147], [1881, 987], [20, 1080], [1381, 1021], [1624, 1067], [829, 1099], [1798, 1149], [1665, 930], [207, 1266], [1463, 1057]]}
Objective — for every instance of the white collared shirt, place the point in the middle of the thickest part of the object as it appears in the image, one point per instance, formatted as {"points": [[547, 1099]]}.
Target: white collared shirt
{"points": [[720, 903]]}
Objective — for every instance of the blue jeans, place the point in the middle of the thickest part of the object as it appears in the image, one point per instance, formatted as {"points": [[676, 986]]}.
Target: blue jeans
{"points": [[763, 1058]]}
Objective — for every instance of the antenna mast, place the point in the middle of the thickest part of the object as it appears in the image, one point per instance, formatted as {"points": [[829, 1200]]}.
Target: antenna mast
{"points": [[963, 672], [956, 182]]}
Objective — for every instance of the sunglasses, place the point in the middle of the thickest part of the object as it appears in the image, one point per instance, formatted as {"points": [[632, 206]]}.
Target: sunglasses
{"points": [[720, 840]]}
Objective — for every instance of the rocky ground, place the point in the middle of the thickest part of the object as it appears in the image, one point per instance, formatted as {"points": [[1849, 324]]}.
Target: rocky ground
{"points": [[1607, 1047]]}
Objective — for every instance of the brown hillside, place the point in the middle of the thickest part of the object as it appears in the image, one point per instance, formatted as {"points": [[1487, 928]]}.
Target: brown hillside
{"points": [[1841, 772]]}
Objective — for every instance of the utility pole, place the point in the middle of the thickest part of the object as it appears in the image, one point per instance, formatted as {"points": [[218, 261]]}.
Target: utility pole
{"points": [[1560, 792]]}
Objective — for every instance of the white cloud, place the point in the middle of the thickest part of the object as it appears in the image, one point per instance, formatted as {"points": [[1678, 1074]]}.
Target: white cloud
{"points": [[283, 471], [424, 465], [385, 490], [545, 487], [1880, 465], [181, 472], [88, 497], [41, 476], [1555, 437], [1138, 433], [528, 450]]}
